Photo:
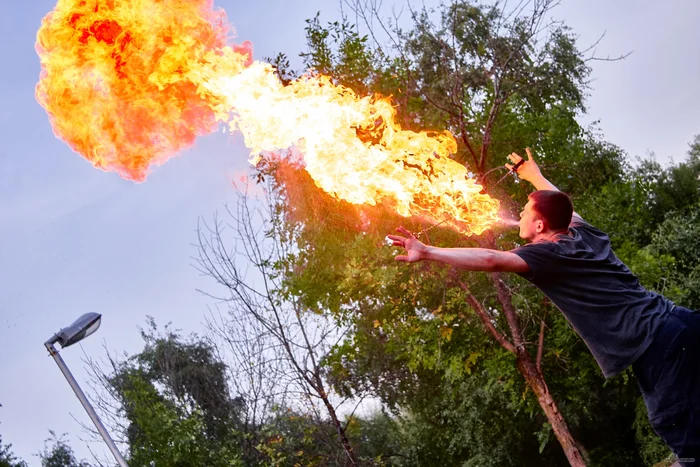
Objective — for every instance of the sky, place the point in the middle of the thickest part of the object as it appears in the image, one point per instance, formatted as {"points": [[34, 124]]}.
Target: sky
{"points": [[74, 239]]}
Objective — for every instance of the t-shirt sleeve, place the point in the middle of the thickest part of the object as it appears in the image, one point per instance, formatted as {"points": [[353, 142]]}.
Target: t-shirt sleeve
{"points": [[577, 220], [582, 226], [540, 258]]}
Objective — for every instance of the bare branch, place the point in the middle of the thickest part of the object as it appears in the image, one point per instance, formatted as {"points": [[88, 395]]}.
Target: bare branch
{"points": [[505, 298], [609, 58], [486, 320], [265, 323], [539, 347]]}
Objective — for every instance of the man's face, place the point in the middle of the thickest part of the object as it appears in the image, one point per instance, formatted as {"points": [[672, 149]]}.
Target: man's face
{"points": [[530, 222]]}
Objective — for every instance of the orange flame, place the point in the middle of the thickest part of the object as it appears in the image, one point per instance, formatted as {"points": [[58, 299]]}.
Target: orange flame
{"points": [[129, 83]]}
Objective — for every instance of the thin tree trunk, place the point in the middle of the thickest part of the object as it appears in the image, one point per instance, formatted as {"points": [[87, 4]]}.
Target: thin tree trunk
{"points": [[529, 369], [340, 430], [561, 430], [535, 379]]}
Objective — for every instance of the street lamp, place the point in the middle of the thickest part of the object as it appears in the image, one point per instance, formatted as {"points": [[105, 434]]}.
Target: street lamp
{"points": [[79, 330]]}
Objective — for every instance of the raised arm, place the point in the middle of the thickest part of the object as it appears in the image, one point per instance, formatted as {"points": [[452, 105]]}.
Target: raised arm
{"points": [[530, 171], [470, 259]]}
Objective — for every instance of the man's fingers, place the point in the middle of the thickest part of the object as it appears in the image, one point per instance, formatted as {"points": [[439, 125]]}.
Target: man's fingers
{"points": [[405, 231], [396, 238], [529, 154], [401, 258], [515, 158], [509, 166]]}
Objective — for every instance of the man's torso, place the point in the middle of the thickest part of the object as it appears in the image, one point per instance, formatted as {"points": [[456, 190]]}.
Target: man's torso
{"points": [[601, 298]]}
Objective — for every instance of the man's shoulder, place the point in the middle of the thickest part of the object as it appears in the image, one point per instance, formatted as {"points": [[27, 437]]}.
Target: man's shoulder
{"points": [[539, 257], [541, 245], [578, 223], [588, 232]]}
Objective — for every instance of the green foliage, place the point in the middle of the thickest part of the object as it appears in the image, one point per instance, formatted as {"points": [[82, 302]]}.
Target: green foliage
{"points": [[292, 438], [283, 69], [677, 188], [7, 457], [163, 435], [339, 51], [377, 438], [651, 448], [678, 237], [175, 398], [60, 454], [652, 218], [455, 394], [450, 428], [481, 75], [632, 209]]}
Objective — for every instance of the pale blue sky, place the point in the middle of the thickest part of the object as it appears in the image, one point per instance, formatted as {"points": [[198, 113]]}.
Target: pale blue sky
{"points": [[74, 239]]}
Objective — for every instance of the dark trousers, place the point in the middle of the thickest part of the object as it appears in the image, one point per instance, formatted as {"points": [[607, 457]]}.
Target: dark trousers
{"points": [[668, 373]]}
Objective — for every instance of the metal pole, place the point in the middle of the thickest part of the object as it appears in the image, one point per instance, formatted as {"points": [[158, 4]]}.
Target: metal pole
{"points": [[86, 404]]}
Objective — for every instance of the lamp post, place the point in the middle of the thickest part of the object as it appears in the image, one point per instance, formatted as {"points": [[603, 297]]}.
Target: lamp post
{"points": [[79, 330]]}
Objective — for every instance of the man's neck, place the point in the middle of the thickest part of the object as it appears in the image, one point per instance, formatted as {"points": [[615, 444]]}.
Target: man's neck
{"points": [[550, 235]]}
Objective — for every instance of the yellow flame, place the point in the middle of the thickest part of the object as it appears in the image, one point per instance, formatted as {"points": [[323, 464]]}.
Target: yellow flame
{"points": [[128, 83]]}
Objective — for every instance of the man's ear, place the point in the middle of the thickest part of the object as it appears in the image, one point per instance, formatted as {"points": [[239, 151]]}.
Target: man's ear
{"points": [[540, 226]]}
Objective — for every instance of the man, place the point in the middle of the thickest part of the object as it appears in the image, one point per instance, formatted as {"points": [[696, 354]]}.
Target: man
{"points": [[622, 323]]}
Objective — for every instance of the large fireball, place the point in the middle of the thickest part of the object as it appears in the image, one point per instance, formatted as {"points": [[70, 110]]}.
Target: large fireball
{"points": [[129, 83]]}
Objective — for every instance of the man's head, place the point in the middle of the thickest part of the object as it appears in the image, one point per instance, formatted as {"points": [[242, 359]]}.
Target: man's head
{"points": [[547, 212]]}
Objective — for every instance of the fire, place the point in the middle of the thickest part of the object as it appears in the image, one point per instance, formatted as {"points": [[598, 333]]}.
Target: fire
{"points": [[115, 77], [129, 83]]}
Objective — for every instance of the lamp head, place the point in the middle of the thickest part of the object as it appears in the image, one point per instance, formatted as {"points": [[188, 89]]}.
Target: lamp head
{"points": [[79, 330]]}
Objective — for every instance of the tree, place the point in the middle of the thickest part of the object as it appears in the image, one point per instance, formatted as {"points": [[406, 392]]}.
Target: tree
{"points": [[651, 218], [267, 317], [496, 79], [60, 454], [678, 237], [175, 400], [7, 457]]}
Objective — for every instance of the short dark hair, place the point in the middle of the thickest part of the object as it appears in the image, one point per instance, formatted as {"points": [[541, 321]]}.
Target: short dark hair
{"points": [[554, 207]]}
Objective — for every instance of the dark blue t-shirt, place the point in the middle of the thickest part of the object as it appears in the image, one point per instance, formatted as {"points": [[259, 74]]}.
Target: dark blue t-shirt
{"points": [[604, 302]]}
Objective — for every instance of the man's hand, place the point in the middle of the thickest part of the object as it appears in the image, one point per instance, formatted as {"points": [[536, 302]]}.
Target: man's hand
{"points": [[415, 250], [528, 170]]}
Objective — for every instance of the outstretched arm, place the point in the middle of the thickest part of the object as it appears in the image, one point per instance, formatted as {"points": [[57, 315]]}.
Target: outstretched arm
{"points": [[471, 259]]}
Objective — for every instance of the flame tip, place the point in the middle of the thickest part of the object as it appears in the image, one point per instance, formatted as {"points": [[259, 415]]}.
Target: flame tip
{"points": [[130, 83]]}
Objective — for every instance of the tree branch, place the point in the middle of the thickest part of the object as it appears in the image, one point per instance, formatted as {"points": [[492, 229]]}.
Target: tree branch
{"points": [[539, 348], [486, 320], [504, 297]]}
